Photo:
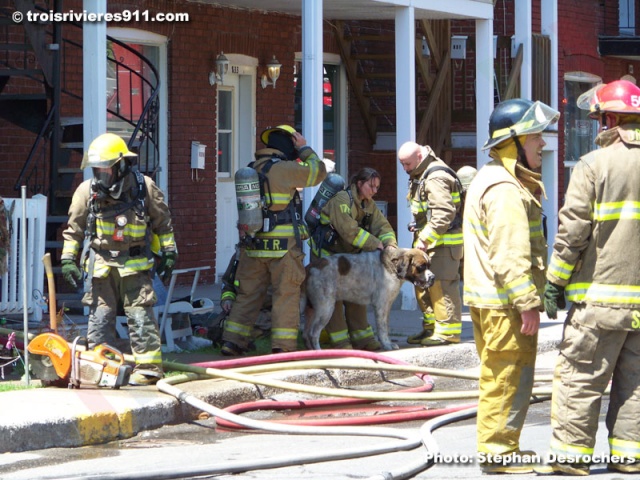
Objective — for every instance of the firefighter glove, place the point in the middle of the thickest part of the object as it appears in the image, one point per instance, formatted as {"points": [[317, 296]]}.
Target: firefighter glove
{"points": [[226, 305], [71, 272], [166, 265], [553, 299]]}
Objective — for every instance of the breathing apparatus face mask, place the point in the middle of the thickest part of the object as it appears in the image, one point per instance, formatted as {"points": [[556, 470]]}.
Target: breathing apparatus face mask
{"points": [[104, 177], [283, 142], [110, 179]]}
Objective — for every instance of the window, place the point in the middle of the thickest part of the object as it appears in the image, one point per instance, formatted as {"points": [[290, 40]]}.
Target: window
{"points": [[330, 109], [130, 84], [627, 16], [225, 132], [580, 130]]}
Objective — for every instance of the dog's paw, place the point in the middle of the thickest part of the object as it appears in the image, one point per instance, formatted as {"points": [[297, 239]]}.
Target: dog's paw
{"points": [[390, 346]]}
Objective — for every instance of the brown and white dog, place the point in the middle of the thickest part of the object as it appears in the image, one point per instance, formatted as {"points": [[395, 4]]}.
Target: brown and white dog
{"points": [[371, 278]]}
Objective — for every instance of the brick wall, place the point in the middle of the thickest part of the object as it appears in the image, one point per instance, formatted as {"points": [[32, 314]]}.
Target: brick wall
{"points": [[192, 49]]}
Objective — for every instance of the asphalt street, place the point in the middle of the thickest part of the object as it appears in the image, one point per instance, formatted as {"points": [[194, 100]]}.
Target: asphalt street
{"points": [[143, 433], [182, 451]]}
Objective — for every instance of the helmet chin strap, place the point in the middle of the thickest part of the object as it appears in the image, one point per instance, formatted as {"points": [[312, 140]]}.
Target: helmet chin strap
{"points": [[522, 155]]}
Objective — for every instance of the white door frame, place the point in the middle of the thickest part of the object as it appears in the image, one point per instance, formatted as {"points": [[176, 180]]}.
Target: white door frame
{"points": [[133, 35], [242, 80]]}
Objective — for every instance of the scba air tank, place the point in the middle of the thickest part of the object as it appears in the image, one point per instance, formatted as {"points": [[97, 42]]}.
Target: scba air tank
{"points": [[328, 188], [248, 200]]}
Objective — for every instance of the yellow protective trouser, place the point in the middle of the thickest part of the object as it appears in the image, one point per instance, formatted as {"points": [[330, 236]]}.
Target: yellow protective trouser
{"points": [[349, 327], [507, 365], [254, 275], [441, 303], [135, 293], [589, 358]]}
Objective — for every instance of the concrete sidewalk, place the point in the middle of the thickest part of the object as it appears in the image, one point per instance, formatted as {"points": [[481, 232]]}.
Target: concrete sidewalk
{"points": [[54, 417]]}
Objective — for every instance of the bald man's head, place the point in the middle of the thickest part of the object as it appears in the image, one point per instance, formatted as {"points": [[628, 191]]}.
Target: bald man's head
{"points": [[410, 156]]}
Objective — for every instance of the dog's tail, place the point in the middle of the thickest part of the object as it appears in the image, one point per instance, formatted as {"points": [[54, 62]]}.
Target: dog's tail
{"points": [[306, 305], [303, 292], [303, 297]]}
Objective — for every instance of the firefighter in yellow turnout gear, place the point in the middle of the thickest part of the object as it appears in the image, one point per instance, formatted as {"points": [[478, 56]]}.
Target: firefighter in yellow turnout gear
{"points": [[351, 222], [111, 221], [504, 274], [276, 257], [434, 198], [596, 263]]}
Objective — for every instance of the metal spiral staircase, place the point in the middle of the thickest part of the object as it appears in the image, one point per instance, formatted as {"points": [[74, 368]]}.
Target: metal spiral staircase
{"points": [[41, 92]]}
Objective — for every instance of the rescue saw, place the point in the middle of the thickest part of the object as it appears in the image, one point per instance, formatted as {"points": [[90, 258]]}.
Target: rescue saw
{"points": [[56, 363]]}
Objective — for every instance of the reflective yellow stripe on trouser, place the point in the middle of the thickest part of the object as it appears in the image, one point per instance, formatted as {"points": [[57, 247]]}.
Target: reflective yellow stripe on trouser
{"points": [[507, 364], [591, 357], [443, 299], [286, 275], [349, 326]]}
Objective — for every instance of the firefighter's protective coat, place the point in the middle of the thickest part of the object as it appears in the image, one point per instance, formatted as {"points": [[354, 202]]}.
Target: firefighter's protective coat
{"points": [[117, 259], [359, 226], [504, 268], [275, 259], [434, 199], [596, 256]]}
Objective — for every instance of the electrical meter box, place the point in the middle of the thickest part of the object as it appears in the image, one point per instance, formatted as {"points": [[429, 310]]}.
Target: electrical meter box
{"points": [[459, 47], [197, 155]]}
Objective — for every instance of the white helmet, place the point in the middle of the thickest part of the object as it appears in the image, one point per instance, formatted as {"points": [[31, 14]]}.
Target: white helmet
{"points": [[465, 175]]}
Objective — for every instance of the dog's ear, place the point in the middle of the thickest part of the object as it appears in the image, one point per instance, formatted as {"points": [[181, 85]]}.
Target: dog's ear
{"points": [[401, 262], [427, 258]]}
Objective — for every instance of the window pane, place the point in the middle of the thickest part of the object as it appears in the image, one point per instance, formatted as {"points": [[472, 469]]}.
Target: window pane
{"points": [[224, 152], [580, 130], [225, 131], [329, 110], [330, 103], [224, 110], [130, 83]]}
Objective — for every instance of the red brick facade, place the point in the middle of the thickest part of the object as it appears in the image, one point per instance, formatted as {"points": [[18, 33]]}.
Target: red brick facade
{"points": [[192, 49]]}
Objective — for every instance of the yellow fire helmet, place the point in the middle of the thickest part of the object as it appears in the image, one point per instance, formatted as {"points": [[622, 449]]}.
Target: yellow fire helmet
{"points": [[264, 136], [105, 151]]}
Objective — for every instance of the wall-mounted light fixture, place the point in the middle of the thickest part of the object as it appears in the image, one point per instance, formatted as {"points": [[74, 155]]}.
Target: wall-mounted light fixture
{"points": [[425, 47], [273, 69], [222, 67]]}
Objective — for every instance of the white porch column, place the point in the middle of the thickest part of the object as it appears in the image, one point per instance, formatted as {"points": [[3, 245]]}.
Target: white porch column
{"points": [[523, 24], [550, 27], [484, 86], [312, 73], [406, 126], [94, 76], [312, 77], [550, 162]]}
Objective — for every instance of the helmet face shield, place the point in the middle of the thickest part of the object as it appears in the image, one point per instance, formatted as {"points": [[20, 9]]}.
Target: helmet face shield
{"points": [[534, 120], [108, 178], [105, 177], [620, 96], [589, 100]]}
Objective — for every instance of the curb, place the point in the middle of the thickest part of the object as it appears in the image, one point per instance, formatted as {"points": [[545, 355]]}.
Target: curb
{"points": [[45, 418]]}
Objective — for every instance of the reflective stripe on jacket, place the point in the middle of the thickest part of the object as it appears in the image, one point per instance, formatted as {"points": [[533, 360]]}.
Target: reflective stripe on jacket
{"points": [[124, 247], [596, 254], [360, 225], [285, 177], [504, 246], [434, 203]]}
